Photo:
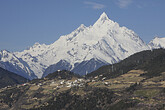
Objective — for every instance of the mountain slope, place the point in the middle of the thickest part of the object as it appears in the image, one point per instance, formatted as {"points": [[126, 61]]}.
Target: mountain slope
{"points": [[8, 78], [105, 41], [136, 83], [86, 67], [81, 68], [14, 64], [151, 61], [157, 43], [61, 65]]}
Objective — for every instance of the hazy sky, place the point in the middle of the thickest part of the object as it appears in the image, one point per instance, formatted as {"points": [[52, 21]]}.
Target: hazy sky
{"points": [[24, 22]]}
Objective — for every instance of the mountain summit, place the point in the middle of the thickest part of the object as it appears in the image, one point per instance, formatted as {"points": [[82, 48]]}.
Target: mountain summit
{"points": [[157, 42], [85, 49], [103, 17]]}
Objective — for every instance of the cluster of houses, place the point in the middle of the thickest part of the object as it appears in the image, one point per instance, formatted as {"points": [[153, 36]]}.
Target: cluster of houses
{"points": [[63, 83], [69, 83]]}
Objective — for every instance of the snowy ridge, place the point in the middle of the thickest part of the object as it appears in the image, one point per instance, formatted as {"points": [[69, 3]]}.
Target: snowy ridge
{"points": [[105, 41], [10, 62], [157, 43]]}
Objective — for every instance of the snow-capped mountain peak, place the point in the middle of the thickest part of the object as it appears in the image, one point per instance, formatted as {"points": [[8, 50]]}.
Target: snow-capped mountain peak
{"points": [[14, 64], [157, 42], [36, 44], [81, 27], [105, 42], [5, 52], [6, 55], [103, 17], [104, 20]]}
